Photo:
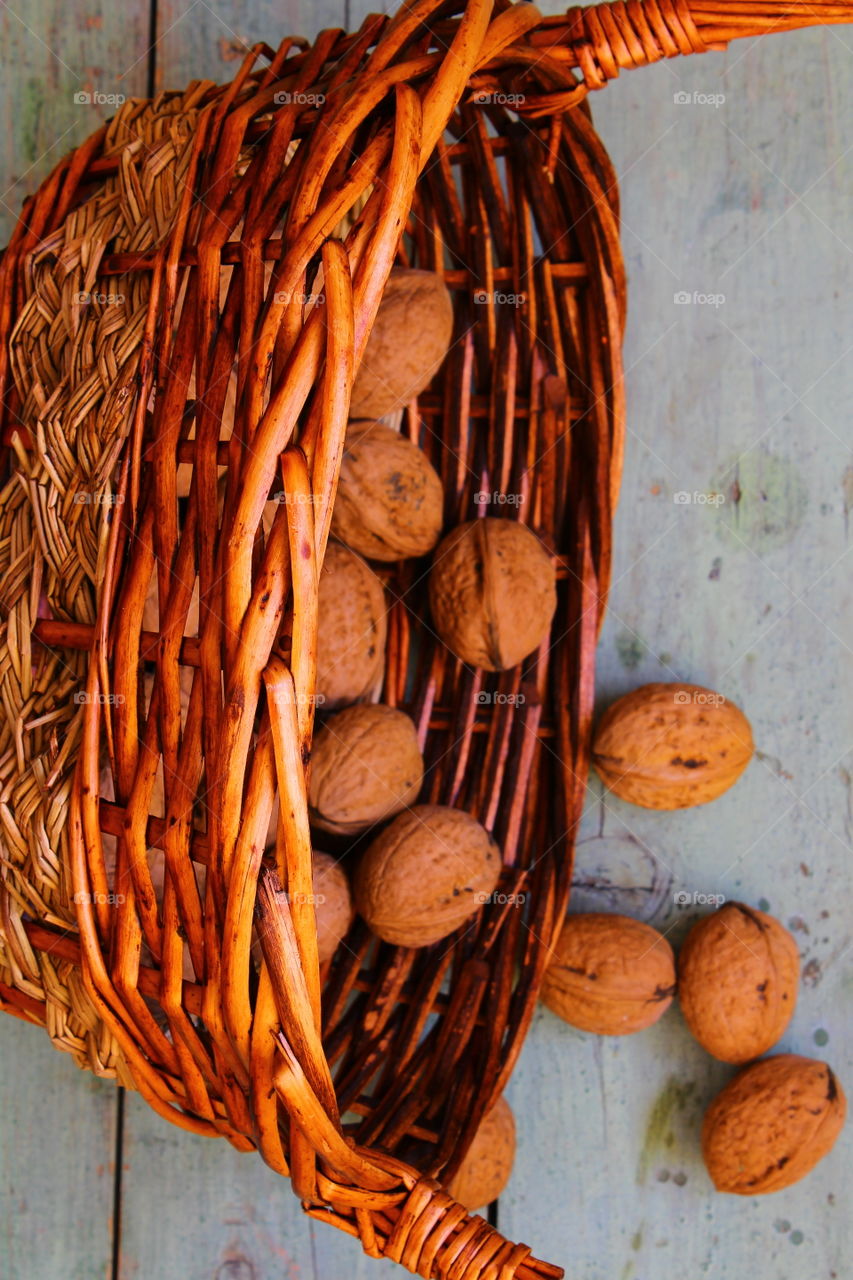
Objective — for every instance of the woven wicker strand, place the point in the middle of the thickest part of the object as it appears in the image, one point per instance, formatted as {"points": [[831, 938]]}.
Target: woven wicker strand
{"points": [[189, 294]]}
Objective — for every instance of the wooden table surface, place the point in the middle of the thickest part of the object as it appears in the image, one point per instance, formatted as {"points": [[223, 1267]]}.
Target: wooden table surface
{"points": [[749, 202]]}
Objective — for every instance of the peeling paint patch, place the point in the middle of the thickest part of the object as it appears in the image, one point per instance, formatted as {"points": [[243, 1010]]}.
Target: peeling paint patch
{"points": [[766, 502], [29, 115], [672, 1100], [630, 649]]}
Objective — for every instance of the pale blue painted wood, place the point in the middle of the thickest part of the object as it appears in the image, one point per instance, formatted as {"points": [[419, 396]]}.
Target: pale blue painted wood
{"points": [[63, 64], [198, 1209], [63, 67], [57, 1151], [750, 199], [751, 597], [196, 40]]}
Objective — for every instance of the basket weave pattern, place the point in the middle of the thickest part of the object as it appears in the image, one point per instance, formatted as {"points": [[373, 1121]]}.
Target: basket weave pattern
{"points": [[248, 231]]}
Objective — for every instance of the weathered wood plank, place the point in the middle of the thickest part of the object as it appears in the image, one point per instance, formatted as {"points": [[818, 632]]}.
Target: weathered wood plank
{"points": [[63, 67], [749, 199], [64, 71], [57, 1147], [196, 1208], [337, 1254], [197, 41]]}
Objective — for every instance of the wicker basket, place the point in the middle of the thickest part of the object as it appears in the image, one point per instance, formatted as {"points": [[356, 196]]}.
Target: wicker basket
{"points": [[235, 241]]}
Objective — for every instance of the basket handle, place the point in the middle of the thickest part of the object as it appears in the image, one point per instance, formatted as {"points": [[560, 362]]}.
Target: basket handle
{"points": [[395, 1211], [602, 39]]}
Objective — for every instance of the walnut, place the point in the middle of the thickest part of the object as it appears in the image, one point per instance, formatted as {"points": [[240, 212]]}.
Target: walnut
{"points": [[772, 1124], [425, 875], [487, 1165], [365, 766], [670, 746], [492, 592], [609, 974], [351, 629], [737, 982], [333, 909], [407, 343], [389, 499], [332, 903]]}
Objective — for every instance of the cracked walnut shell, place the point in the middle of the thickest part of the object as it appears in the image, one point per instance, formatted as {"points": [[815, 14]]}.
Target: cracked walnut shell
{"points": [[609, 974], [671, 746], [772, 1124], [492, 592], [423, 877], [407, 343], [390, 499], [737, 982], [366, 765]]}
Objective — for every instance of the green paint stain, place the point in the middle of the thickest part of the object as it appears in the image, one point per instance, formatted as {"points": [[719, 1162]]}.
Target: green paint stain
{"points": [[796, 1237], [637, 1240], [821, 1037], [766, 500], [630, 649], [763, 904], [660, 1134], [665, 659], [29, 110], [627, 1271]]}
